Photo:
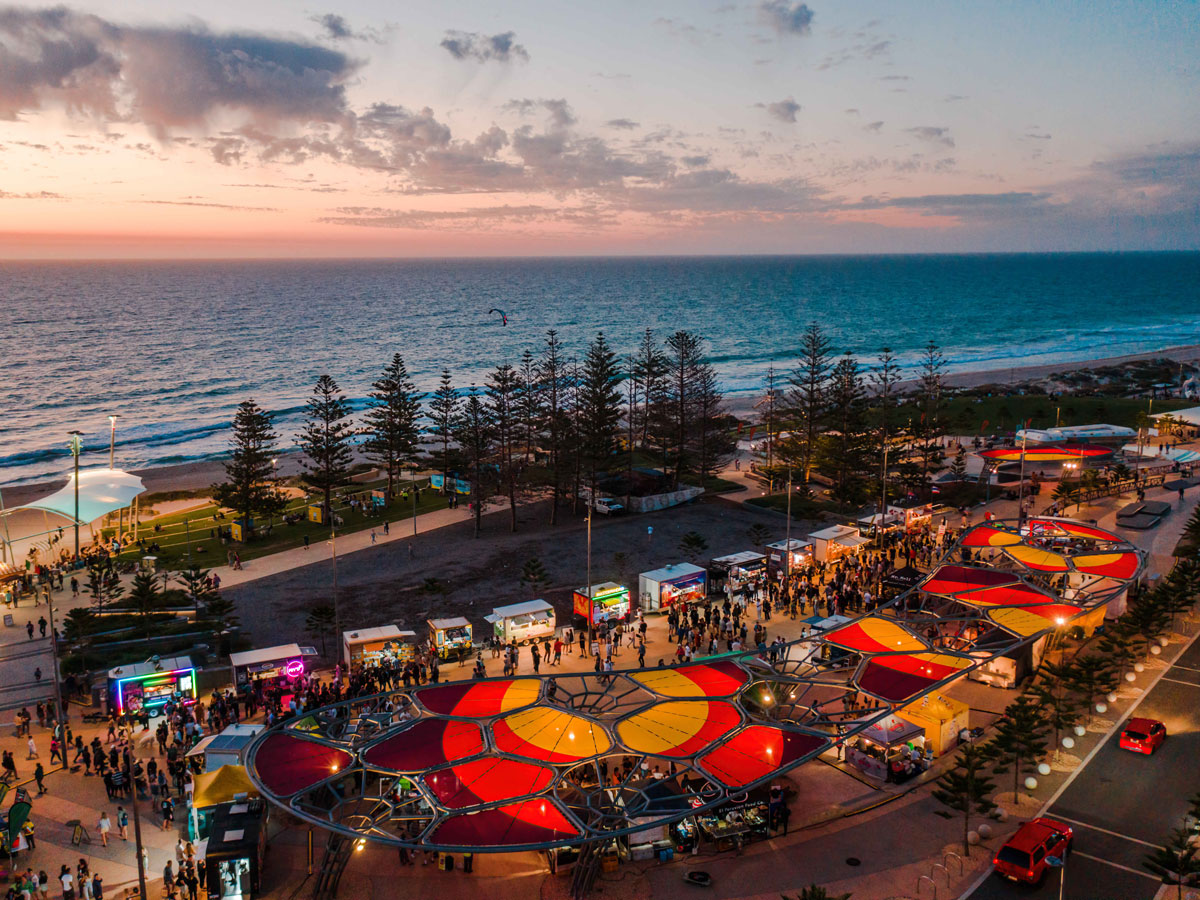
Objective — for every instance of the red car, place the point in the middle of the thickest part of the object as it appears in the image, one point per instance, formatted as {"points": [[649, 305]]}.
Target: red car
{"points": [[1143, 735], [1023, 858]]}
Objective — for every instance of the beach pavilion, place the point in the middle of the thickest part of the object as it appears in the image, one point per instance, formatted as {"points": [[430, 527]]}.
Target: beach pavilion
{"points": [[100, 491]]}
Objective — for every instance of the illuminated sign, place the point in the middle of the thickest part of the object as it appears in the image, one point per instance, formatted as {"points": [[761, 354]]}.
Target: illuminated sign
{"points": [[154, 690], [294, 668]]}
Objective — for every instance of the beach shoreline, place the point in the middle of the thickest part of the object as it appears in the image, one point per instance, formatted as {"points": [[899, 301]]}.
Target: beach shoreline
{"points": [[203, 473]]}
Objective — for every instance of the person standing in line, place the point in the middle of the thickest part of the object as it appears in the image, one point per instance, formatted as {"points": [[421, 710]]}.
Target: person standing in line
{"points": [[68, 883]]}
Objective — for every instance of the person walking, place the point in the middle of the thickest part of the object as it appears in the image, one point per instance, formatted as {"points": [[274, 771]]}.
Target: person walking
{"points": [[123, 823], [33, 754], [42, 625], [9, 765], [38, 774], [104, 826], [29, 629]]}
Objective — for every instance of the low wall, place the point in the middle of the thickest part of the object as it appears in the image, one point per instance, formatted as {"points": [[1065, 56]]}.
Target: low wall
{"points": [[664, 501]]}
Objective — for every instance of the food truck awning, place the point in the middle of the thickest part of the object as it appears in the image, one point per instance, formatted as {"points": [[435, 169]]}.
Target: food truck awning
{"points": [[795, 545], [446, 624], [221, 786], [233, 738], [745, 558], [892, 730], [517, 609], [382, 633], [170, 664], [674, 572], [8, 572], [846, 535], [265, 655]]}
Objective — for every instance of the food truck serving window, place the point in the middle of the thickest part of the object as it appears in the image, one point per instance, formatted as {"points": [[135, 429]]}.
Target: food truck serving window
{"points": [[153, 691]]}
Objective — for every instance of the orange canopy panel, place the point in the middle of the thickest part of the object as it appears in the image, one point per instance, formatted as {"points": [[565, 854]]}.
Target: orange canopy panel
{"points": [[875, 634], [756, 752], [287, 764], [1046, 453], [714, 679], [487, 781], [1005, 595], [897, 679], [989, 536], [1037, 559], [528, 822], [951, 580], [481, 698], [428, 743], [1122, 565], [1025, 621], [550, 735], [678, 727]]}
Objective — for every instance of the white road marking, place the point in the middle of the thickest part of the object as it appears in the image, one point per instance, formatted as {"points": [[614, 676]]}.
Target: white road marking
{"points": [[1109, 862], [1177, 681], [1105, 830], [1178, 666]]}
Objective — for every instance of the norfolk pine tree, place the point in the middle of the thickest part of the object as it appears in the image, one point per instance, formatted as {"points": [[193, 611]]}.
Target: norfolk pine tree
{"points": [[966, 789], [391, 420], [325, 440], [443, 412], [249, 488], [1020, 740]]}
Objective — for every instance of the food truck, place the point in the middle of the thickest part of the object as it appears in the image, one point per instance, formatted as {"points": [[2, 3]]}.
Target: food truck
{"points": [[234, 850], [888, 750], [732, 573], [830, 544], [917, 514], [227, 748], [143, 689], [777, 556], [681, 583], [450, 637], [608, 600], [213, 788], [522, 622], [283, 664], [943, 719], [875, 525], [371, 646]]}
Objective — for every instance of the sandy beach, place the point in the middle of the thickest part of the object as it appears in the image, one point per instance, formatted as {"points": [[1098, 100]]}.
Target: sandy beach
{"points": [[202, 473]]}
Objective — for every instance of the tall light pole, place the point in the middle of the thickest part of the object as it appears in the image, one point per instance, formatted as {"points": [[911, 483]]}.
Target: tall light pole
{"points": [[76, 445], [590, 609], [112, 438], [413, 491], [1021, 483]]}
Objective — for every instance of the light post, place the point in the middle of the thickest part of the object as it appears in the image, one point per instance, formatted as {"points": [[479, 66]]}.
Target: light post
{"points": [[413, 491], [112, 438], [1021, 482], [590, 610], [76, 445]]}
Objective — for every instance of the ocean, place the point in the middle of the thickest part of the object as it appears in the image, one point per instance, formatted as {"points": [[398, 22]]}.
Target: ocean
{"points": [[173, 347]]}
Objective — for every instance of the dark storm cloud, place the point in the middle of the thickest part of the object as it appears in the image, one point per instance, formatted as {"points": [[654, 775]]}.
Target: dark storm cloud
{"points": [[334, 26], [481, 48], [786, 17]]}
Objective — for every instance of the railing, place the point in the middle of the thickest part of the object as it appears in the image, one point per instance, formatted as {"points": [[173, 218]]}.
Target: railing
{"points": [[923, 879], [950, 854]]}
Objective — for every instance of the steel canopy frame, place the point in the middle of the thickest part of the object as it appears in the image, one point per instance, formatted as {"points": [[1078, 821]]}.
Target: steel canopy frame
{"points": [[534, 763]]}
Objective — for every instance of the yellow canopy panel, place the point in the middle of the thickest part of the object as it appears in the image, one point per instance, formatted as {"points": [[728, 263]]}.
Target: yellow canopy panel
{"points": [[221, 786], [1037, 559]]}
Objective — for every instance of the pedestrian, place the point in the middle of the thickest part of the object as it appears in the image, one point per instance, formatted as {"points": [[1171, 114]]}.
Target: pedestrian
{"points": [[56, 752], [68, 883], [42, 625], [29, 629], [372, 535], [38, 774], [104, 826], [168, 813], [123, 822], [9, 765], [306, 542], [37, 673], [169, 881], [33, 754]]}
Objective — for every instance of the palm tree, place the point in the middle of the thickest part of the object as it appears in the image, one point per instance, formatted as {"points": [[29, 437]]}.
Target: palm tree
{"points": [[1066, 494]]}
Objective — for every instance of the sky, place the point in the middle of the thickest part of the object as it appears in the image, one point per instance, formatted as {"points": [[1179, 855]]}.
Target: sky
{"points": [[276, 128]]}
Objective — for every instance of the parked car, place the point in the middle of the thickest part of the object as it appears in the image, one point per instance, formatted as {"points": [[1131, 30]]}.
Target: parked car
{"points": [[1143, 735], [607, 506], [1023, 858]]}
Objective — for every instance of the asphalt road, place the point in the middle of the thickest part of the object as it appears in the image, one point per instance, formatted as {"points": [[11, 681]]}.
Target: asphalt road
{"points": [[1122, 804]]}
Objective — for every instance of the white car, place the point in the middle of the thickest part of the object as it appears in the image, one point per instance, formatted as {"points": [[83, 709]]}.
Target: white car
{"points": [[607, 506]]}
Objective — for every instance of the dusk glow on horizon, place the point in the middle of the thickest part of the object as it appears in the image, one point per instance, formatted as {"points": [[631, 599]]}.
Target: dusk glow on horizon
{"points": [[139, 130]]}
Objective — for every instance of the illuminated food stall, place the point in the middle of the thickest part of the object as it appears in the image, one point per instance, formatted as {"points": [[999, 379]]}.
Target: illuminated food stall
{"points": [[733, 572], [235, 849], [212, 789], [607, 600], [681, 583], [885, 750], [876, 524], [942, 718], [145, 688], [282, 664], [831, 544], [523, 622], [371, 646], [777, 556], [917, 514], [450, 637]]}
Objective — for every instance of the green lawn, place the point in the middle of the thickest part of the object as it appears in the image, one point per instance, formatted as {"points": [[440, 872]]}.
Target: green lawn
{"points": [[967, 415], [803, 507], [173, 531]]}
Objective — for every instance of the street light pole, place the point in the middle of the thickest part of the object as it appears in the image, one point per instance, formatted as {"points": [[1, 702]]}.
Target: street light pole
{"points": [[590, 609], [112, 438], [76, 445], [413, 491]]}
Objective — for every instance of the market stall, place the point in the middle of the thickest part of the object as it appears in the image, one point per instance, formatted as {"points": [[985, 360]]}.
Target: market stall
{"points": [[734, 572], [145, 688], [522, 622], [235, 849], [450, 637], [601, 602], [212, 789], [371, 646], [680, 583], [889, 750], [918, 515], [876, 525], [831, 544], [778, 563], [283, 664], [227, 748], [941, 717]]}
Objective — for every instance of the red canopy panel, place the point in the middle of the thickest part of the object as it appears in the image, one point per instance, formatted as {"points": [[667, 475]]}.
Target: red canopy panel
{"points": [[476, 699], [716, 679], [1122, 565], [1014, 595], [487, 781], [1075, 529], [988, 536], [896, 679], [953, 579], [529, 822], [428, 743], [756, 752], [287, 764]]}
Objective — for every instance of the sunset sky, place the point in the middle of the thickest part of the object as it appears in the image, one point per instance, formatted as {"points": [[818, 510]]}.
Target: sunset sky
{"points": [[535, 127]]}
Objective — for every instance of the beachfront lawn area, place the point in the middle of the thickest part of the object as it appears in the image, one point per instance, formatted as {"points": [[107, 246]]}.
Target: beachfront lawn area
{"points": [[196, 528], [968, 415], [805, 507]]}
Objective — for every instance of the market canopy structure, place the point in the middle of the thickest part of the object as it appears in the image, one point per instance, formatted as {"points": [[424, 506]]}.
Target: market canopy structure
{"points": [[539, 762], [1046, 453], [101, 491]]}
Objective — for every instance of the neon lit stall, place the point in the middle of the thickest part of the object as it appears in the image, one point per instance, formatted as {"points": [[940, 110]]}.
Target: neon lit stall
{"points": [[145, 688], [734, 572], [830, 544], [777, 556], [283, 665], [371, 646], [608, 601], [681, 583]]}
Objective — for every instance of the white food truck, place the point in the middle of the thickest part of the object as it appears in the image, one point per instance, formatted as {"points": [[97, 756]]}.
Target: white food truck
{"points": [[523, 622]]}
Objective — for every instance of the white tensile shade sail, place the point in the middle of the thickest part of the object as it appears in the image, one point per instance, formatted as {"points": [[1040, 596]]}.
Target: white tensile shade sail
{"points": [[101, 491]]}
